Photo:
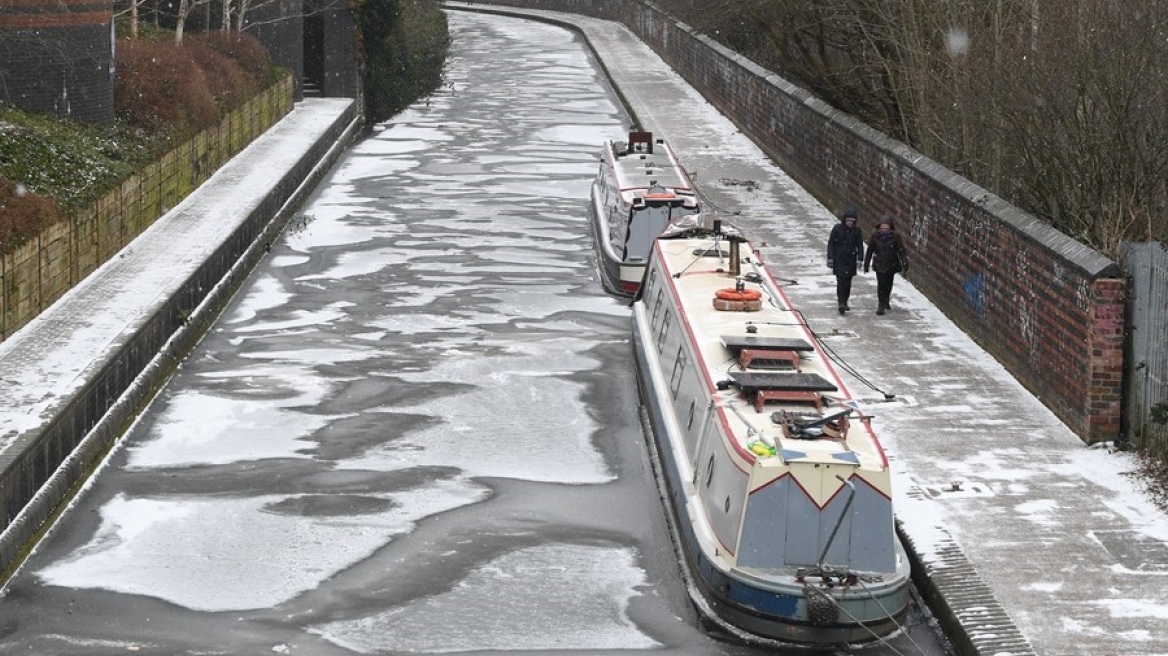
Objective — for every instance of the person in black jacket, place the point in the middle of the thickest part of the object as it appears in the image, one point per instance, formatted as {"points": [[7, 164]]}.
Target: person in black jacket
{"points": [[886, 254], [845, 251]]}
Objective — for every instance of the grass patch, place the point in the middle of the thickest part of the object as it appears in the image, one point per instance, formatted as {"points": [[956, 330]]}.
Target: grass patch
{"points": [[71, 162]]}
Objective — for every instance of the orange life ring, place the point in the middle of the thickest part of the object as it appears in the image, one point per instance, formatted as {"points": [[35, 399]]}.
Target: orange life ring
{"points": [[731, 294]]}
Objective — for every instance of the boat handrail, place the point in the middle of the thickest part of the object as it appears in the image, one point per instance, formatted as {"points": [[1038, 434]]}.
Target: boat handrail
{"points": [[750, 427]]}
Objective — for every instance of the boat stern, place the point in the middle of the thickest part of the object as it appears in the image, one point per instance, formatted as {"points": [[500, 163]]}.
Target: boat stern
{"points": [[818, 559]]}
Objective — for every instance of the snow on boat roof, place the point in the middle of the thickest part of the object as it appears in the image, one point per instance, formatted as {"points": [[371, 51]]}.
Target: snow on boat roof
{"points": [[641, 169], [808, 390]]}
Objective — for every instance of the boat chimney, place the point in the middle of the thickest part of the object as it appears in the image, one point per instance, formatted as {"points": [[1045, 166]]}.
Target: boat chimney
{"points": [[735, 264]]}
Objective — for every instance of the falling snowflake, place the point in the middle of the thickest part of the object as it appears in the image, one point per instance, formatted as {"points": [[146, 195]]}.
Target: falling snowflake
{"points": [[957, 42]]}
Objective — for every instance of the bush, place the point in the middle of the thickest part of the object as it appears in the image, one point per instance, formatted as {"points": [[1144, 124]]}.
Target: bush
{"points": [[1159, 413], [25, 214], [227, 82], [161, 88], [184, 88], [244, 50]]}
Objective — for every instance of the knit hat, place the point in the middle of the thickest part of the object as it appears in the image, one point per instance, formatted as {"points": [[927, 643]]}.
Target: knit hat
{"points": [[850, 213], [884, 218]]}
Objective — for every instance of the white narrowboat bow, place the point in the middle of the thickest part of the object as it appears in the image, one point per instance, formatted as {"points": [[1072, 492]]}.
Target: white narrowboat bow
{"points": [[781, 493], [639, 190]]}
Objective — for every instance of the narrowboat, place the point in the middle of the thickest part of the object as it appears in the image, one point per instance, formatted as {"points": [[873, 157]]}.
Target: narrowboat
{"points": [[639, 190], [779, 490]]}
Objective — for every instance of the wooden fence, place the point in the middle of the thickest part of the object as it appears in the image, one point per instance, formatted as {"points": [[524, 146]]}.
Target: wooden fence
{"points": [[1146, 397], [39, 272]]}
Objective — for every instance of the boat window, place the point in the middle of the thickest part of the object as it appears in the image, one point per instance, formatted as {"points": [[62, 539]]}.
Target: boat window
{"points": [[692, 407], [657, 306], [649, 280], [710, 471], [664, 331], [678, 371], [616, 228]]}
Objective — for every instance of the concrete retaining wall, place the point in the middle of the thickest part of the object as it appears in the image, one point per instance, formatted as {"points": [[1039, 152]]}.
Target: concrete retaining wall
{"points": [[1050, 309]]}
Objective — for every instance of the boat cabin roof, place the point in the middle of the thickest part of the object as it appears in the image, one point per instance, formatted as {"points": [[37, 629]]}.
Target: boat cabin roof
{"points": [[647, 168], [760, 359]]}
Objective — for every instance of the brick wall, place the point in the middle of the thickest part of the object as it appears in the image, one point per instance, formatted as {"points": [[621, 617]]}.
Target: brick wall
{"points": [[40, 271], [1050, 309], [57, 58]]}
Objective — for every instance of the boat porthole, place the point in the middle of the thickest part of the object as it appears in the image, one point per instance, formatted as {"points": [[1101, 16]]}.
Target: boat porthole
{"points": [[692, 407], [727, 503], [710, 471]]}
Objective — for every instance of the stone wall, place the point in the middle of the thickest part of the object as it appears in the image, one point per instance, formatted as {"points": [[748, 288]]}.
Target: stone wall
{"points": [[1050, 309], [44, 268]]}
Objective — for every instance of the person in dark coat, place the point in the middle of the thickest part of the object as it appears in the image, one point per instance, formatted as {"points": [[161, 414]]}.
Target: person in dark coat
{"points": [[887, 256], [845, 252]]}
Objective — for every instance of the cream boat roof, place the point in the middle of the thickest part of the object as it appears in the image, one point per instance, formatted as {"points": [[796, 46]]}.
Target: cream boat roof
{"points": [[694, 291], [638, 170]]}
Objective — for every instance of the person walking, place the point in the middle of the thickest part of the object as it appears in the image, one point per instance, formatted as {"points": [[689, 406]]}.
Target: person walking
{"points": [[845, 252], [887, 255]]}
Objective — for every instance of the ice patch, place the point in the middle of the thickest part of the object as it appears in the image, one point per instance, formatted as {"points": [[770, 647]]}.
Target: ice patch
{"points": [[232, 554], [199, 429], [584, 594]]}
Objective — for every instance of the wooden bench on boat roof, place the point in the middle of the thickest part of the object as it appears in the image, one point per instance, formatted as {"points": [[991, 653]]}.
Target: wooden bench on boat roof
{"points": [[793, 387]]}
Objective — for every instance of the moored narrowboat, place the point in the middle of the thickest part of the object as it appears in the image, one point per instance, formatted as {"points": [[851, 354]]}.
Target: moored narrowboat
{"points": [[639, 189], [780, 491]]}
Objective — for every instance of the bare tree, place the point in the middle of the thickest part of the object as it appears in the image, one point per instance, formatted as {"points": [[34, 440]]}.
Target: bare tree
{"points": [[1063, 112], [240, 15], [229, 9], [133, 10], [1095, 137], [185, 8]]}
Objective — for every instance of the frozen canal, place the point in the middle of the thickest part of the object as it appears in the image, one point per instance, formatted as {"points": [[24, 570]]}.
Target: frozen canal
{"points": [[414, 431]]}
